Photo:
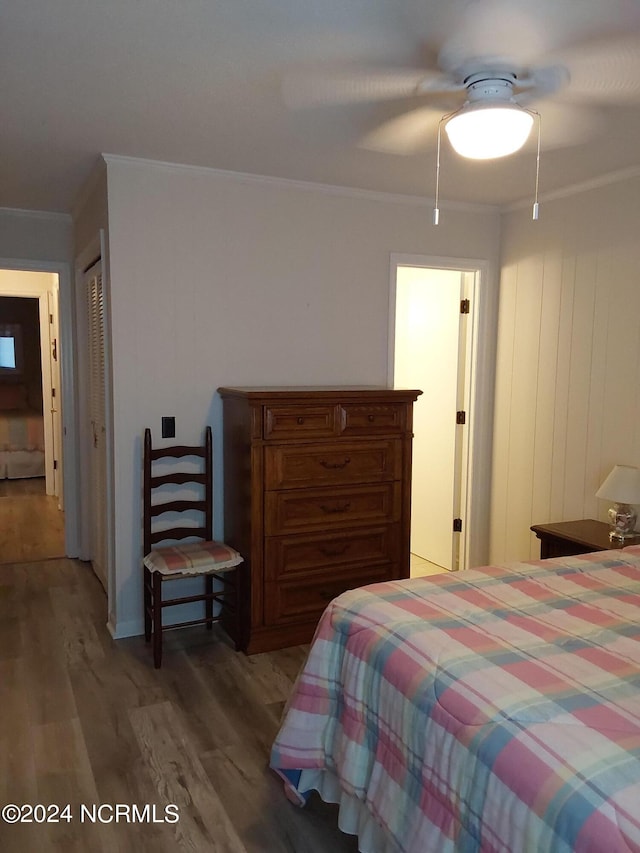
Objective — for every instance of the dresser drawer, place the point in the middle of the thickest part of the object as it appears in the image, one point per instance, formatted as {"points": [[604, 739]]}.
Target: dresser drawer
{"points": [[297, 466], [308, 597], [331, 509], [314, 553], [300, 421], [369, 418]]}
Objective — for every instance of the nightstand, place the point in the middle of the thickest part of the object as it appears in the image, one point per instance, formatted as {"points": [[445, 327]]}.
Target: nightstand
{"points": [[569, 538]]}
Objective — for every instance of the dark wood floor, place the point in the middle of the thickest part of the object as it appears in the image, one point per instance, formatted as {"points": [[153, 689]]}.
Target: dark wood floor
{"points": [[31, 525], [86, 720]]}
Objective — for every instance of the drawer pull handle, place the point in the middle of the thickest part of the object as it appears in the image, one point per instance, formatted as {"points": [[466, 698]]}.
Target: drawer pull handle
{"points": [[334, 465], [338, 508], [371, 418], [300, 420], [334, 552]]}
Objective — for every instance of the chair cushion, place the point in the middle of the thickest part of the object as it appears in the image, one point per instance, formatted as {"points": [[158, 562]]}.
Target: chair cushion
{"points": [[192, 558]]}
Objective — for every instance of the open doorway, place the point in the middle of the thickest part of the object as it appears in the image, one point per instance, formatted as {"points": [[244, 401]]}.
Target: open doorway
{"points": [[31, 487], [434, 308]]}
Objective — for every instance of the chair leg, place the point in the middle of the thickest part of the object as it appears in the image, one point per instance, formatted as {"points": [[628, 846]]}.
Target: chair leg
{"points": [[208, 605], [240, 643], [147, 604], [237, 613], [157, 619]]}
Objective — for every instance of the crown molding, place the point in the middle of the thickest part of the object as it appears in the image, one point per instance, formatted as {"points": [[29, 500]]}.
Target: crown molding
{"points": [[35, 214], [594, 183], [305, 186]]}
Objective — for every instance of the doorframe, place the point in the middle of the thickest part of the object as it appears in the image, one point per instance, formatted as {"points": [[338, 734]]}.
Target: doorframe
{"points": [[478, 392], [94, 251], [67, 391]]}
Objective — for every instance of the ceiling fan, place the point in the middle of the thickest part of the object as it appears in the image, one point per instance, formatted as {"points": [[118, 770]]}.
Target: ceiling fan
{"points": [[501, 62]]}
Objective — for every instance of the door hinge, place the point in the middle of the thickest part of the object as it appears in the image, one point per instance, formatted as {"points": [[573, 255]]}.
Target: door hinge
{"points": [[464, 306], [457, 525], [55, 464], [461, 417], [53, 392], [51, 318]]}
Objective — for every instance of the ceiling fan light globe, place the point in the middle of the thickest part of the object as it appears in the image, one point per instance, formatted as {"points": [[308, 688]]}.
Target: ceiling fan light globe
{"points": [[483, 132]]}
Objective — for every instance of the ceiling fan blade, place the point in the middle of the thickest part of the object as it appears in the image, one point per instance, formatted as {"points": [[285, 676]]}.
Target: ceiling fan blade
{"points": [[492, 30], [540, 82], [563, 125], [311, 89], [521, 31], [405, 134], [606, 71]]}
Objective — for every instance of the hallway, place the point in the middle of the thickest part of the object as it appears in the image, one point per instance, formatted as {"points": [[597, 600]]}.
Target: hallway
{"points": [[31, 525]]}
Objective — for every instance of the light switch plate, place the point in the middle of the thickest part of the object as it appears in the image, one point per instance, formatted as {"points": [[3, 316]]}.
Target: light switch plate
{"points": [[168, 427]]}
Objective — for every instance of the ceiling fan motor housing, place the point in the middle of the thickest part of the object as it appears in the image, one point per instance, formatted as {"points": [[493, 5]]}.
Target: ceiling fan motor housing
{"points": [[489, 86]]}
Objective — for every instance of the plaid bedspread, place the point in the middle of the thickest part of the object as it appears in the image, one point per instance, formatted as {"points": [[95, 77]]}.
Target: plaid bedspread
{"points": [[21, 430], [493, 710]]}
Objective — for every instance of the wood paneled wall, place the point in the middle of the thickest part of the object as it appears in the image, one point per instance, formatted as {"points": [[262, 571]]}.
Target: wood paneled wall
{"points": [[568, 361]]}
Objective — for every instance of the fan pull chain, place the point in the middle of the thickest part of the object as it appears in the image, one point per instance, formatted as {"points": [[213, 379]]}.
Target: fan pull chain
{"points": [[436, 209], [536, 207]]}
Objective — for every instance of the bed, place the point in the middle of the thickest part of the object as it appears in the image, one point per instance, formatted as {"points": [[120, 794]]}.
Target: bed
{"points": [[493, 710], [21, 436]]}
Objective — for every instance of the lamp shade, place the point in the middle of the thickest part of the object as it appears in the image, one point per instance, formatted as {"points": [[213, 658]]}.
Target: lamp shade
{"points": [[483, 131], [621, 486]]}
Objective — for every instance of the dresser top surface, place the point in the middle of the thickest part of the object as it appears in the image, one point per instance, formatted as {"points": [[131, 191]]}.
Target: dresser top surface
{"points": [[318, 391]]}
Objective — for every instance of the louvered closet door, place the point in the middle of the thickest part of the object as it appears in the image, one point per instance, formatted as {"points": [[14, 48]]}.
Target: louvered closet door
{"points": [[97, 418]]}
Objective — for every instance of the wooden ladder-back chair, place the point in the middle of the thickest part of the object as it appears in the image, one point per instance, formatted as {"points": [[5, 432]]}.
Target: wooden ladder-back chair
{"points": [[166, 469]]}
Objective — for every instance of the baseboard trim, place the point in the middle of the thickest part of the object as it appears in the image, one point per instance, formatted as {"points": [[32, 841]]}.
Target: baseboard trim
{"points": [[122, 630]]}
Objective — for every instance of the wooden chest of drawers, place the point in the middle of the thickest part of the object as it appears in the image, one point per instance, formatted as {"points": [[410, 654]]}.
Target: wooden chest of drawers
{"points": [[317, 493]]}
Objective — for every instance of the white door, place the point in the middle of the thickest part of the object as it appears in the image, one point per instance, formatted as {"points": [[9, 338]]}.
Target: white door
{"points": [[97, 419], [430, 337]]}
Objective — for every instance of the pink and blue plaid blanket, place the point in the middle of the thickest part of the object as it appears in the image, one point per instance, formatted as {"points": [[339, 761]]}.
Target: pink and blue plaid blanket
{"points": [[21, 429], [493, 710]]}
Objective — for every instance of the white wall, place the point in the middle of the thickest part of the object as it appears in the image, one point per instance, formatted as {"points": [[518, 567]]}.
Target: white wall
{"points": [[568, 363], [34, 235], [218, 279], [91, 213], [26, 283]]}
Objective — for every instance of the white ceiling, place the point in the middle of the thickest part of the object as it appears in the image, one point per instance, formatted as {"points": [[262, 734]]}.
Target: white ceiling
{"points": [[200, 82]]}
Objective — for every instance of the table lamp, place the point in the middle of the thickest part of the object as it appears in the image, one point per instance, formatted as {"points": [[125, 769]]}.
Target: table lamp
{"points": [[622, 486]]}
